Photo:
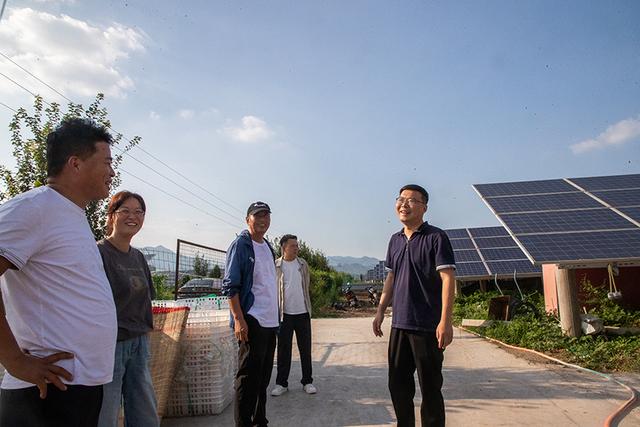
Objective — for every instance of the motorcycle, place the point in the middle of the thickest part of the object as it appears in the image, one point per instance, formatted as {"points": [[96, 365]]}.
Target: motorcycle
{"points": [[352, 299], [374, 298]]}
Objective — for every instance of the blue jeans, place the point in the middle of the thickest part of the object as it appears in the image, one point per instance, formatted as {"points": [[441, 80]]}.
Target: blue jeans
{"points": [[131, 386]]}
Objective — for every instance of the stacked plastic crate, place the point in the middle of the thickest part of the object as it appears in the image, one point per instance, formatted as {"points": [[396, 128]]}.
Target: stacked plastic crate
{"points": [[203, 384]]}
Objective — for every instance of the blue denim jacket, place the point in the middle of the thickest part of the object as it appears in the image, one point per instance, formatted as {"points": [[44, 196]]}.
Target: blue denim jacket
{"points": [[238, 272]]}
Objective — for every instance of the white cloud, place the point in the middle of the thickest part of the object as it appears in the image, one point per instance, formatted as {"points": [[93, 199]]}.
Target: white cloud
{"points": [[75, 57], [617, 134], [154, 116], [186, 114], [253, 129]]}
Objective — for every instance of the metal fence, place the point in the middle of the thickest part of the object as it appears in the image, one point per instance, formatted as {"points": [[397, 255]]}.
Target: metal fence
{"points": [[194, 261]]}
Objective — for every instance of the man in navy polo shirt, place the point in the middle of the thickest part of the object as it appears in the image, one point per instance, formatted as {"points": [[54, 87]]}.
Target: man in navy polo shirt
{"points": [[421, 283]]}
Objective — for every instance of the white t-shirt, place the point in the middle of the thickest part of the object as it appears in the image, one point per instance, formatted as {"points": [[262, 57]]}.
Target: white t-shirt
{"points": [[293, 294], [265, 287], [59, 299]]}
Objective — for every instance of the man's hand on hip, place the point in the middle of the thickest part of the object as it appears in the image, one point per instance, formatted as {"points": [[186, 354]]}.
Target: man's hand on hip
{"points": [[41, 370]]}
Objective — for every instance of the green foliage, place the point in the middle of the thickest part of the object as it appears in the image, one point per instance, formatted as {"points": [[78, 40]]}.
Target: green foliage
{"points": [[325, 288], [215, 272], [184, 279], [162, 291], [316, 259], [326, 283], [200, 266], [544, 334], [609, 311], [474, 306], [28, 138]]}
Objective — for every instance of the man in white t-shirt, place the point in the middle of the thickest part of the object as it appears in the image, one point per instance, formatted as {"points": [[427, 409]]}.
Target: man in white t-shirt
{"points": [[250, 284], [295, 308], [57, 316]]}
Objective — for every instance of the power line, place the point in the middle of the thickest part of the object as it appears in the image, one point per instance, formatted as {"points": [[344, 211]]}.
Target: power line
{"points": [[192, 182], [173, 182], [35, 77], [21, 87], [140, 148], [128, 154], [179, 199], [5, 105]]}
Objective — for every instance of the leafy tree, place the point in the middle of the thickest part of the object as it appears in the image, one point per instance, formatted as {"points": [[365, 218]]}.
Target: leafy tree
{"points": [[326, 283], [184, 279], [29, 140], [215, 272], [162, 291], [200, 266], [314, 257]]}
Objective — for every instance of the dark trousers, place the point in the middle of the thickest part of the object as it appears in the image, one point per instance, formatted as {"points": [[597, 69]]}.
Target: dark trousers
{"points": [[255, 363], [410, 351], [301, 325], [79, 406]]}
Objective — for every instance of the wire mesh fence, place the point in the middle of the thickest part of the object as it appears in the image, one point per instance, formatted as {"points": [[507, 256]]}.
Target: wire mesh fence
{"points": [[195, 261]]}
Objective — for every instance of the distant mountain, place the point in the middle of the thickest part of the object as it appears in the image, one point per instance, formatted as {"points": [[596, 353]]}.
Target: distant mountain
{"points": [[352, 265]]}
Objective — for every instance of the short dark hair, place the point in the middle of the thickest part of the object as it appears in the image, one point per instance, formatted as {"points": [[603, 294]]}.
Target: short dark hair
{"points": [[419, 189], [284, 239], [116, 201], [73, 137]]}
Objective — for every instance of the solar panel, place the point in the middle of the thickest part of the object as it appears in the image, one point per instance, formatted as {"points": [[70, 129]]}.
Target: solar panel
{"points": [[527, 187], [569, 220], [633, 213], [462, 244], [458, 233], [620, 198], [471, 269], [604, 245], [503, 254], [495, 242], [467, 255], [508, 267], [563, 221], [543, 202], [502, 248], [614, 182], [488, 232]]}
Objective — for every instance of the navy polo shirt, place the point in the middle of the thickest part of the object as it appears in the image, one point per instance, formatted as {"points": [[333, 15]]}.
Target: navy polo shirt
{"points": [[417, 286]]}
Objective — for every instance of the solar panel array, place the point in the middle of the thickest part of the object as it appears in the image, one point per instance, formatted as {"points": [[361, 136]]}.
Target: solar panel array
{"points": [[574, 220], [483, 252]]}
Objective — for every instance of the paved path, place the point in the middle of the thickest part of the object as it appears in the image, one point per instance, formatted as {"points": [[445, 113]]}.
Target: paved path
{"points": [[484, 386]]}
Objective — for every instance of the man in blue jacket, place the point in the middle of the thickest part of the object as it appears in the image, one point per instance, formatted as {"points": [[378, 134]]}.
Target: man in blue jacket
{"points": [[250, 284]]}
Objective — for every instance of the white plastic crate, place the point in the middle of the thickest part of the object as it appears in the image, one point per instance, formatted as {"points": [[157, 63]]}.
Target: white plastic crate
{"points": [[204, 383], [206, 303]]}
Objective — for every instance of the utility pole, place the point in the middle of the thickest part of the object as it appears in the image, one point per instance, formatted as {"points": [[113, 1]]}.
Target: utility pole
{"points": [[4, 3]]}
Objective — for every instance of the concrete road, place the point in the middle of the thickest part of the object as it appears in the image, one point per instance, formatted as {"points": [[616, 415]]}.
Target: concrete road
{"points": [[484, 386]]}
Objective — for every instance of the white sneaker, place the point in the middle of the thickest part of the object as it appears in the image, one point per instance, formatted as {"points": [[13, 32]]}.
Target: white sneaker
{"points": [[310, 389], [278, 390]]}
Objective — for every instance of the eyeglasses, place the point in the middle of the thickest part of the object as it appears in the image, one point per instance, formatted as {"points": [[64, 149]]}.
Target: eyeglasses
{"points": [[125, 212], [409, 201]]}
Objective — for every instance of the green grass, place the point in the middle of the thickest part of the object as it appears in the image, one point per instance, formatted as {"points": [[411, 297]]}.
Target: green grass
{"points": [[599, 352]]}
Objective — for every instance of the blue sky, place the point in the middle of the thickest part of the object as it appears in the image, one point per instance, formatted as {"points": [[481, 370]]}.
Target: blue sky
{"points": [[324, 109]]}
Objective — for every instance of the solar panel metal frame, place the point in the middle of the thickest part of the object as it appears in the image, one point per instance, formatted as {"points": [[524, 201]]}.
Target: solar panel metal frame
{"points": [[627, 217]]}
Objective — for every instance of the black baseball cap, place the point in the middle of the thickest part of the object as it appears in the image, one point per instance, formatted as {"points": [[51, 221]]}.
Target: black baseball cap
{"points": [[256, 207]]}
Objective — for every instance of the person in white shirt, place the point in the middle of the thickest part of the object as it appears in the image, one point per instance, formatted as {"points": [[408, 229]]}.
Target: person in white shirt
{"points": [[295, 308], [250, 284], [57, 316]]}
